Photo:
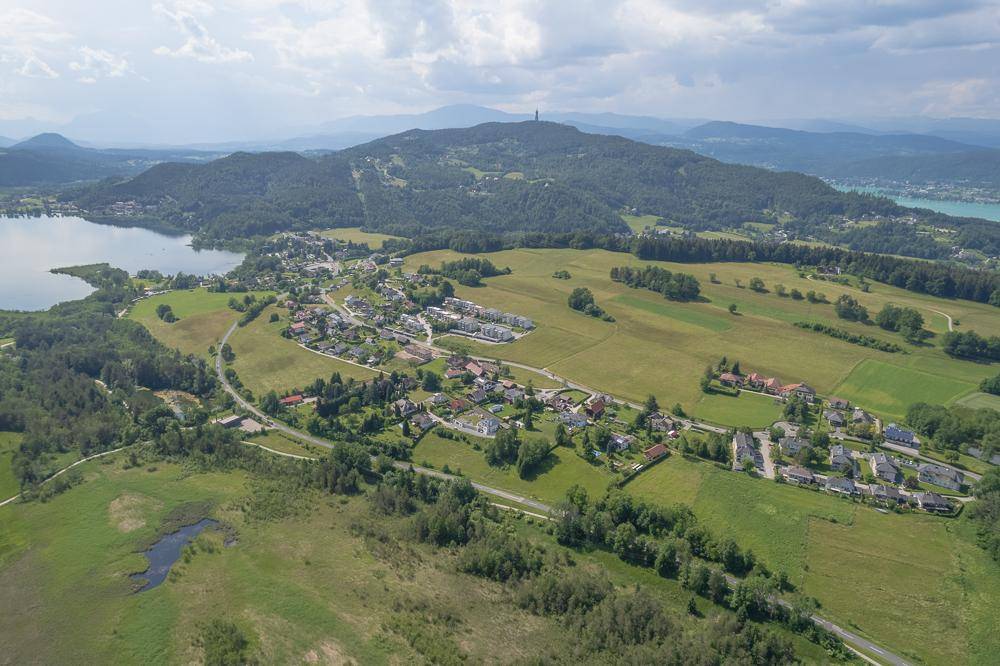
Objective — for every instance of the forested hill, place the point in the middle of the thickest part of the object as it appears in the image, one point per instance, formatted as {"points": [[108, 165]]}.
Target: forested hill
{"points": [[529, 176]]}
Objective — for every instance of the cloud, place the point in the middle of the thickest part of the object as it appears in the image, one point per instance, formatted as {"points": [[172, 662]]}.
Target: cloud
{"points": [[198, 44], [25, 37], [98, 63]]}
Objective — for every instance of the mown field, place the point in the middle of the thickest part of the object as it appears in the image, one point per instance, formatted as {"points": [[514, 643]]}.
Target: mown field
{"points": [[356, 235], [661, 347], [327, 582], [266, 361], [203, 318], [915, 583]]}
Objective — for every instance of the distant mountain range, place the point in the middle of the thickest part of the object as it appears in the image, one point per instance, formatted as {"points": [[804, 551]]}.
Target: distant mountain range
{"points": [[52, 159]]}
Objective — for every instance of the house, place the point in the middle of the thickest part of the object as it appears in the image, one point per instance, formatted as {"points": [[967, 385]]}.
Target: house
{"points": [[496, 409], [297, 328], [559, 403], [841, 459], [404, 407], [834, 418], [453, 373], [621, 442], [790, 446], [839, 403], [799, 475], [291, 400], [886, 494], [496, 332], [841, 486], [477, 396], [940, 475], [338, 349], [422, 420], [513, 394], [729, 379], [573, 419], [655, 452], [488, 426], [744, 449], [862, 417], [595, 410], [893, 433], [457, 405], [803, 391], [231, 421], [422, 353], [660, 423], [474, 368], [438, 399], [932, 502], [884, 468]]}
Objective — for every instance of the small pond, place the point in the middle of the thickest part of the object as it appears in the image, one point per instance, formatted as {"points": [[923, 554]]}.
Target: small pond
{"points": [[165, 552]]}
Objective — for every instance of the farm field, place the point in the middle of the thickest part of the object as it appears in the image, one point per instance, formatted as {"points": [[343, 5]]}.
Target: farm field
{"points": [[563, 468], [888, 389], [920, 584], [747, 409], [356, 235], [203, 318], [661, 347], [639, 222], [266, 361], [9, 441], [980, 401]]}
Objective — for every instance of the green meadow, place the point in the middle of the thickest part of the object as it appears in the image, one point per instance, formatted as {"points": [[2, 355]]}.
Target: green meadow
{"points": [[266, 361], [914, 583], [662, 347], [356, 235]]}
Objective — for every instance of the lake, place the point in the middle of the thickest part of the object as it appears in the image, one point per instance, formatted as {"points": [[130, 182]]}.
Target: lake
{"points": [[166, 551], [987, 211], [31, 246]]}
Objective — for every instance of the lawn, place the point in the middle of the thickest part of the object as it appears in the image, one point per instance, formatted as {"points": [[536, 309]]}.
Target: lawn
{"points": [[562, 470], [918, 584], [9, 441], [980, 401], [266, 361], [661, 347], [888, 389], [746, 409], [356, 235], [203, 318]]}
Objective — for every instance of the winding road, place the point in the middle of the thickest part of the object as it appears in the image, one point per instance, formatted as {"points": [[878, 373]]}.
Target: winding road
{"points": [[856, 643]]}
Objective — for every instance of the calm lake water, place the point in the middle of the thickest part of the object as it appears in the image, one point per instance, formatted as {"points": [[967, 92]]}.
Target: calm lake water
{"points": [[30, 247], [165, 552], [957, 208]]}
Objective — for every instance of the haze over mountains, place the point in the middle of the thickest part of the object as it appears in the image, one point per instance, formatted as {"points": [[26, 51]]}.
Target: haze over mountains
{"points": [[831, 149]]}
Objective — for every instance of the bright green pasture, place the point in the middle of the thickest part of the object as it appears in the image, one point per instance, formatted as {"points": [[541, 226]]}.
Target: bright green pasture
{"points": [[888, 389], [203, 318], [980, 401], [746, 409], [356, 235], [638, 223], [562, 469], [266, 361]]}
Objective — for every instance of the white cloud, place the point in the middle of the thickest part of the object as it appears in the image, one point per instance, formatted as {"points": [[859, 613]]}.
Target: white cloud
{"points": [[94, 64], [198, 44]]}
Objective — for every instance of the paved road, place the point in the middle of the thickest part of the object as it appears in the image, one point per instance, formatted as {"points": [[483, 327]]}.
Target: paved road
{"points": [[765, 452], [852, 640]]}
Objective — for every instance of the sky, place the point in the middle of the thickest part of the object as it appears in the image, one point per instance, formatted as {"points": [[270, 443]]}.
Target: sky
{"points": [[212, 70]]}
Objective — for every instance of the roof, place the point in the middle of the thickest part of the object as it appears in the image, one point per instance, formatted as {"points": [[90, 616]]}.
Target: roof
{"points": [[655, 451], [801, 472], [742, 439]]}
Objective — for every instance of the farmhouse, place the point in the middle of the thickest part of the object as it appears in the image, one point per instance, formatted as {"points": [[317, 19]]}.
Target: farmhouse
{"points": [[895, 434], [799, 475], [884, 468], [655, 452], [939, 475]]}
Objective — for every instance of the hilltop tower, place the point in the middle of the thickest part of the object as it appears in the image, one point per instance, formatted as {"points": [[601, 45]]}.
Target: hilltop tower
{"points": [[536, 115]]}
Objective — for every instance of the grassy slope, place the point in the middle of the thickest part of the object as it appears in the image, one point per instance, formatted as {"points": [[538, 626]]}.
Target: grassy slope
{"points": [[265, 360], [356, 235], [203, 317], [563, 469], [915, 583], [656, 346]]}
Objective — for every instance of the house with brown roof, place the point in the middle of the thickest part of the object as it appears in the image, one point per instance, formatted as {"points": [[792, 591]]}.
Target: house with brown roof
{"points": [[595, 410], [655, 452]]}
